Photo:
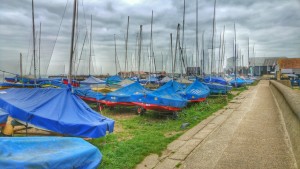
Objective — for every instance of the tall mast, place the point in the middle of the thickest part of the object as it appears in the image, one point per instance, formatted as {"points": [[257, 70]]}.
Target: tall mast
{"points": [[197, 46], [219, 60], [116, 54], [235, 53], [248, 57], [223, 49], [183, 23], [140, 51], [212, 41], [90, 59], [33, 40], [202, 55], [72, 42], [176, 45], [171, 52], [126, 46], [40, 50], [21, 69], [151, 46]]}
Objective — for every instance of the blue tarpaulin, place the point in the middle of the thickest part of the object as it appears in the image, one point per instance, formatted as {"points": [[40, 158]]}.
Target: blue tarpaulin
{"points": [[165, 96], [92, 80], [195, 91], [238, 82], [18, 85], [217, 88], [219, 80], [124, 94], [89, 93], [57, 110], [3, 116], [48, 152], [113, 79]]}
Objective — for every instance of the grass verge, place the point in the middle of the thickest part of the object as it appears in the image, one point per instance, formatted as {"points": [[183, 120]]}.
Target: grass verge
{"points": [[136, 137]]}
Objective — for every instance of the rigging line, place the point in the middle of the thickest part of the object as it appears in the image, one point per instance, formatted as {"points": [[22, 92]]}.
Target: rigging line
{"points": [[57, 35]]}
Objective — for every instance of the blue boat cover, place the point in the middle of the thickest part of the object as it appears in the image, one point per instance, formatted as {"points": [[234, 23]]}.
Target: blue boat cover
{"points": [[217, 88], [57, 110], [165, 96], [195, 91], [113, 79], [19, 85], [3, 116], [48, 152], [124, 94], [219, 80], [87, 92], [238, 82], [92, 80]]}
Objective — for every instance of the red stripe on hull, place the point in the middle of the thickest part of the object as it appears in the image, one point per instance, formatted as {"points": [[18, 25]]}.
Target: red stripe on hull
{"points": [[157, 107]]}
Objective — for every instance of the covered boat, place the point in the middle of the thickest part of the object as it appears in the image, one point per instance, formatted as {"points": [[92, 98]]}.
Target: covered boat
{"points": [[238, 82], [123, 96], [91, 80], [57, 110], [216, 88], [3, 117], [219, 80], [18, 85], [164, 98], [196, 92], [113, 79], [89, 95], [48, 152]]}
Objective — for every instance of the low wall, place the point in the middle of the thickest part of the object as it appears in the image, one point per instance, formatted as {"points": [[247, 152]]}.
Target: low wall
{"points": [[285, 82], [289, 103]]}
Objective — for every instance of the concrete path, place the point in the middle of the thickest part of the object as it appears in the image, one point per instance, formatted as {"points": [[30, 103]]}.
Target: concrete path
{"points": [[248, 133]]}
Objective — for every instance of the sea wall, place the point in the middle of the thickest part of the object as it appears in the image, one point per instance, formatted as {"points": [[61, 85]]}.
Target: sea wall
{"points": [[289, 104]]}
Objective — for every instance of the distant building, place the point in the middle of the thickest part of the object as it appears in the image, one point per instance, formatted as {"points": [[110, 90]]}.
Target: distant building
{"points": [[258, 65]]}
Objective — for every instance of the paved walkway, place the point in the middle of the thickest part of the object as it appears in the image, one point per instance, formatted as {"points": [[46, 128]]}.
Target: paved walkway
{"points": [[248, 133]]}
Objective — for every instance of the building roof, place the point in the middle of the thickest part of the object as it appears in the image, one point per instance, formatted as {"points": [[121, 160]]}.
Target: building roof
{"points": [[289, 63]]}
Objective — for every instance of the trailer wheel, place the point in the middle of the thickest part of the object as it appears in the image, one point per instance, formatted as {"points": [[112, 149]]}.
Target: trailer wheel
{"points": [[140, 110], [175, 115], [101, 107]]}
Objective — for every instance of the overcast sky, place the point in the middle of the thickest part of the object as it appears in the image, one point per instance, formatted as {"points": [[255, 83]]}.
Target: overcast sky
{"points": [[272, 25]]}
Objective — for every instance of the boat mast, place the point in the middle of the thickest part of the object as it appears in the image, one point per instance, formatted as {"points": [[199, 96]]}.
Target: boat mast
{"points": [[90, 59], [212, 41], [151, 46], [33, 40], [235, 53], [197, 46], [21, 69], [40, 50], [140, 51], [176, 45], [116, 54], [72, 42], [171, 51], [126, 46], [248, 57], [202, 62]]}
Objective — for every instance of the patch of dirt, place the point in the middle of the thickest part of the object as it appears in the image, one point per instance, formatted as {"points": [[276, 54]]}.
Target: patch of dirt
{"points": [[172, 133]]}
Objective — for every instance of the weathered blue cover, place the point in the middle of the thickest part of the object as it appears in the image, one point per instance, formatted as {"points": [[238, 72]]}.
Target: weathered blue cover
{"points": [[238, 82], [125, 94], [48, 152], [3, 116], [89, 93], [113, 79], [217, 88], [195, 91], [92, 80], [219, 80], [165, 96], [19, 85], [57, 110]]}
